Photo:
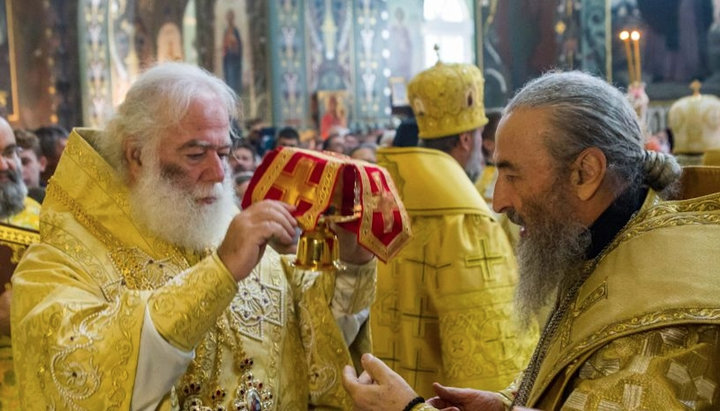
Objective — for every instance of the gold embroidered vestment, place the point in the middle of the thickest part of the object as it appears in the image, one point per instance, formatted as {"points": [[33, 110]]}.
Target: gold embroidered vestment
{"points": [[81, 296], [444, 305]]}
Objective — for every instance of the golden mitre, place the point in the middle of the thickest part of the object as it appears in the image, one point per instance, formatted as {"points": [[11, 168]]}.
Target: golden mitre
{"points": [[695, 123], [447, 99]]}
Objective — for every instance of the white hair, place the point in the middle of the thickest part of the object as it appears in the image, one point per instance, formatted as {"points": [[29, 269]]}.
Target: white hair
{"points": [[156, 103]]}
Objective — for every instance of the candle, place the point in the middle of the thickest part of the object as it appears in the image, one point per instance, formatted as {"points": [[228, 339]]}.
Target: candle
{"points": [[635, 36], [625, 37]]}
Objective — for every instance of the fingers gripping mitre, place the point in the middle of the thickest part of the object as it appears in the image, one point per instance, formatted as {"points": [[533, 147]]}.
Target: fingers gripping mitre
{"points": [[326, 187]]}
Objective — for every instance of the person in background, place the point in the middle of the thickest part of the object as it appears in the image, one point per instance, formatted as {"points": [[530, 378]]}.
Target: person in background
{"points": [[241, 180], [33, 163], [287, 137], [631, 278], [485, 184], [242, 157], [16, 210], [149, 291], [444, 304], [365, 152], [335, 143], [406, 134], [351, 141], [53, 140]]}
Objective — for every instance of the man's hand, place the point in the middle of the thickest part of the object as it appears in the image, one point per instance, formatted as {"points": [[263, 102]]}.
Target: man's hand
{"points": [[5, 299], [460, 399], [350, 251], [378, 387], [251, 230], [283, 248]]}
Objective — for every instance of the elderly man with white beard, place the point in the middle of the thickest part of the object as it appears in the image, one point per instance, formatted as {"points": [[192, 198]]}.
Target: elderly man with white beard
{"points": [[149, 290], [631, 279]]}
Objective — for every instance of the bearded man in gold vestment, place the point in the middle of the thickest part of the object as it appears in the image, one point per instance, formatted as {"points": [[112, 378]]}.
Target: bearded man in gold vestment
{"points": [[444, 304], [149, 291], [632, 279]]}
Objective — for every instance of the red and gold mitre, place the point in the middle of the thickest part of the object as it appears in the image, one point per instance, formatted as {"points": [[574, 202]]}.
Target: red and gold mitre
{"points": [[324, 183]]}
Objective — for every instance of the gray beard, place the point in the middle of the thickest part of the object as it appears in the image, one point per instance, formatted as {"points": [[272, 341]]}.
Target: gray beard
{"points": [[12, 194], [550, 257]]}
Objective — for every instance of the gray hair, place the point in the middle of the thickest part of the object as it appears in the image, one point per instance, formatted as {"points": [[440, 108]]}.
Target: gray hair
{"points": [[585, 111], [444, 144], [156, 103]]}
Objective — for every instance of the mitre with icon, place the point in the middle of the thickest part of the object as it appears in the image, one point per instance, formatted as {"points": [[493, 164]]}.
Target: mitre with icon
{"points": [[330, 188]]}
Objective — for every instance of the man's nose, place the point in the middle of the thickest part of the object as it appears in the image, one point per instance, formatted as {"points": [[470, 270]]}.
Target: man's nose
{"points": [[216, 169], [500, 200], [4, 163]]}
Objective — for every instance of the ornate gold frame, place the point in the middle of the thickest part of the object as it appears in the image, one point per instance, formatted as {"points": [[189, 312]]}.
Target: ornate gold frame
{"points": [[14, 114], [13, 242]]}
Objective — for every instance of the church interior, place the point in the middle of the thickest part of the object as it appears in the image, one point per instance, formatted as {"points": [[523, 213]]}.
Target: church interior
{"points": [[302, 204], [69, 63]]}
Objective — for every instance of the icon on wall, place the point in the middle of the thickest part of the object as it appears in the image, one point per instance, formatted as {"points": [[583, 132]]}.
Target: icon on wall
{"points": [[333, 111], [398, 92]]}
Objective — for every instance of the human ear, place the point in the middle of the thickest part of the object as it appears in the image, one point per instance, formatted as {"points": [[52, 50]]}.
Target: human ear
{"points": [[588, 172], [465, 141], [133, 158]]}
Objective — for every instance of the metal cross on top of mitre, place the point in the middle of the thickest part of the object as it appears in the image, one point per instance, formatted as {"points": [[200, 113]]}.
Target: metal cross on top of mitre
{"points": [[695, 87], [436, 47]]}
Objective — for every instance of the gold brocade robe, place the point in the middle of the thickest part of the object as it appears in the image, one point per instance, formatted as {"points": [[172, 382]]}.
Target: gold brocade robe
{"points": [[444, 303], [643, 331], [80, 298]]}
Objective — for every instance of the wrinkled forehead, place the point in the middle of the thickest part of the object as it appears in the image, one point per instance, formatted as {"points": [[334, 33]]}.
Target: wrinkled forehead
{"points": [[206, 120]]}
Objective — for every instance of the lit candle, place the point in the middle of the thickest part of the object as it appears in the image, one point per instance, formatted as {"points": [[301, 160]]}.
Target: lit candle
{"points": [[635, 36], [625, 37]]}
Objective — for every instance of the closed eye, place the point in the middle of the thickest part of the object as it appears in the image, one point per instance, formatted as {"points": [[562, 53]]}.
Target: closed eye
{"points": [[196, 156]]}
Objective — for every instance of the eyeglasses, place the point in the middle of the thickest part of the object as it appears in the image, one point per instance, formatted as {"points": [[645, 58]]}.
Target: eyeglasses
{"points": [[11, 152]]}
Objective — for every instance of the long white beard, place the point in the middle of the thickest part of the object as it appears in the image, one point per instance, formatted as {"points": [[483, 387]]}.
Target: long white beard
{"points": [[172, 212]]}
